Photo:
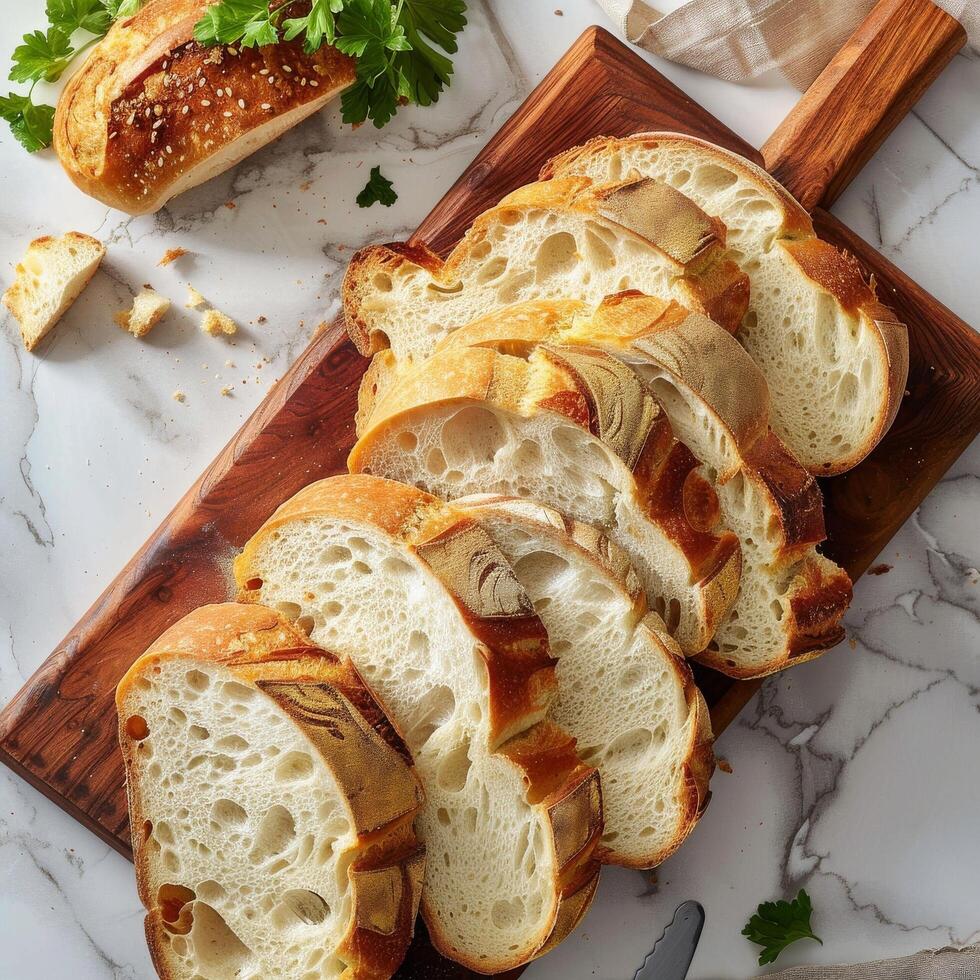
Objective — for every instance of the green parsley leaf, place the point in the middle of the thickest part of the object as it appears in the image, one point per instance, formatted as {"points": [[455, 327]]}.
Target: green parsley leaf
{"points": [[250, 23], [777, 924], [319, 26], [41, 56], [122, 8], [31, 124], [69, 16], [378, 189]]}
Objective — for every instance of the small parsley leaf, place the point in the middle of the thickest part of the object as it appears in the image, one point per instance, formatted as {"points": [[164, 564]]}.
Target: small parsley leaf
{"points": [[378, 188], [31, 124], [41, 56], [777, 924], [250, 23], [69, 16], [121, 8]]}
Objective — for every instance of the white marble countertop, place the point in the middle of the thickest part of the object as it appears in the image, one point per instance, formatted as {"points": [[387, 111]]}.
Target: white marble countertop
{"points": [[856, 776]]}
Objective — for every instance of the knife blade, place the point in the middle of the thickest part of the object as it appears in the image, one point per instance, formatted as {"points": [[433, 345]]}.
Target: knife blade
{"points": [[671, 956]]}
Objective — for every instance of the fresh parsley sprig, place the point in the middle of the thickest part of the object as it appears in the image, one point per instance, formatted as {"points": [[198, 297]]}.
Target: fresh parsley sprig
{"points": [[44, 55], [776, 925], [398, 44], [378, 189]]}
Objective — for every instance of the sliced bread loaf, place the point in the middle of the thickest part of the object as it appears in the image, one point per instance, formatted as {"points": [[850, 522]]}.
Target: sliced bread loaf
{"points": [[790, 599], [271, 805], [575, 429], [835, 358], [551, 240], [625, 693], [426, 606]]}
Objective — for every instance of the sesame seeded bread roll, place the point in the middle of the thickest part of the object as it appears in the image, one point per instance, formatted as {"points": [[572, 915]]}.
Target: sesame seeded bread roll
{"points": [[153, 113]]}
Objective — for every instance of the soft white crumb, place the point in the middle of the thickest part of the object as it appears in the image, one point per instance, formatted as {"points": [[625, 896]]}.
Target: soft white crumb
{"points": [[179, 396], [194, 299], [214, 322]]}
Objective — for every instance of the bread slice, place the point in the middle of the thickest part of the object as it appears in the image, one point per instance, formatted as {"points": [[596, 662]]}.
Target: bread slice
{"points": [[426, 606], [576, 430], [271, 805], [552, 240], [625, 693], [835, 358], [49, 279], [148, 309], [791, 599]]}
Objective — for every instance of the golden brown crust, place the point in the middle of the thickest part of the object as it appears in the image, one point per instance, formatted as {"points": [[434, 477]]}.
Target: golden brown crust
{"points": [[329, 701], [152, 112], [796, 222]]}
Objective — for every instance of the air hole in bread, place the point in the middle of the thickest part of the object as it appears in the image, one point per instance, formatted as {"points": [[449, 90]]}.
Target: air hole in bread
{"points": [[276, 832], [407, 441], [136, 727], [679, 178], [382, 282], [557, 256], [197, 680], [711, 178], [218, 953], [299, 907], [491, 270], [294, 767], [506, 914], [454, 768], [227, 813]]}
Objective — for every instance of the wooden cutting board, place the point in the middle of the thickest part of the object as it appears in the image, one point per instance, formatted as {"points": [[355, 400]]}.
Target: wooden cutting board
{"points": [[59, 731]]}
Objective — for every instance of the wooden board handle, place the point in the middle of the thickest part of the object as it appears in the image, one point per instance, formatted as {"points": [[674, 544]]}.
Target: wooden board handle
{"points": [[891, 59]]}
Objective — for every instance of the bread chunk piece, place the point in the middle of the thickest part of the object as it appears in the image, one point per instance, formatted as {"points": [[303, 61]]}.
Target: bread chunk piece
{"points": [[271, 805], [49, 278], [625, 693], [425, 605], [573, 428], [560, 239], [791, 599], [836, 359], [148, 309], [215, 323]]}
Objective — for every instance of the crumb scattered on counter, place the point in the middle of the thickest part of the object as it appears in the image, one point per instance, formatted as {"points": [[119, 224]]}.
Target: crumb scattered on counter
{"points": [[229, 364], [226, 391], [171, 255], [147, 311], [230, 205], [179, 396], [214, 322], [559, 12], [261, 319], [880, 569], [194, 299], [724, 765], [852, 643]]}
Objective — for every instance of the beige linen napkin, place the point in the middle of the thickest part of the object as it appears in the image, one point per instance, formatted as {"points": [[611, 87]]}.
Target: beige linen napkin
{"points": [[935, 964], [740, 39]]}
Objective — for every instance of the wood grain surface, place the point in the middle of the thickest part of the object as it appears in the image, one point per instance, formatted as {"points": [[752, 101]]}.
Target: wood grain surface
{"points": [[59, 731], [891, 59]]}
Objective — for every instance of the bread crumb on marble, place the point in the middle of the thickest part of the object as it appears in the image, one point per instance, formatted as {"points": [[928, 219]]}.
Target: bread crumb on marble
{"points": [[194, 299], [179, 396], [215, 323], [147, 311], [171, 255]]}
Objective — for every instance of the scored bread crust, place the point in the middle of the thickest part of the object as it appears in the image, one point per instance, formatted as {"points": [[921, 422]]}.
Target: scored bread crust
{"points": [[358, 745], [143, 120], [833, 272], [696, 758], [690, 244], [520, 670], [601, 396]]}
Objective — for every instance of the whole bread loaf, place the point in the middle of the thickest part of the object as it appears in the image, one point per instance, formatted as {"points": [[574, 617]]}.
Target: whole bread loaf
{"points": [[271, 805], [153, 113]]}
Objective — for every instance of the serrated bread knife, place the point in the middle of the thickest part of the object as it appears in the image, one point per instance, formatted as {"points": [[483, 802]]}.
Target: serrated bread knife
{"points": [[671, 956]]}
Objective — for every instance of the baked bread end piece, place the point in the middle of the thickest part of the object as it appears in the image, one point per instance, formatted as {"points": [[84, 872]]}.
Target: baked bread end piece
{"points": [[271, 804], [49, 279]]}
